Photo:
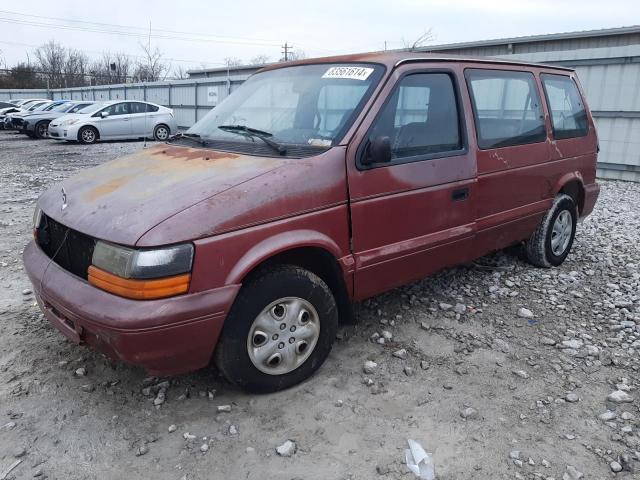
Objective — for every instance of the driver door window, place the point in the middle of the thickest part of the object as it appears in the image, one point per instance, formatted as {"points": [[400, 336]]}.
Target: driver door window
{"points": [[117, 109], [420, 118]]}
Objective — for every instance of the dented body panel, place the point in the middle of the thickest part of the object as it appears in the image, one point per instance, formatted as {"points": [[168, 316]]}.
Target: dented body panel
{"points": [[383, 227]]}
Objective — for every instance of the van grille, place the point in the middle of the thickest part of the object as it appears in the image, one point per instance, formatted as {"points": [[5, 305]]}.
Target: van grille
{"points": [[68, 248]]}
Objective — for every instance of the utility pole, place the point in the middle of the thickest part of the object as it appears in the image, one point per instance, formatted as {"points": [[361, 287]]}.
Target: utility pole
{"points": [[285, 50]]}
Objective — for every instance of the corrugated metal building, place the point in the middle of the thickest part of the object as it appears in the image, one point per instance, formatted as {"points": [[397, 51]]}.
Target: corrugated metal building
{"points": [[608, 65], [607, 62]]}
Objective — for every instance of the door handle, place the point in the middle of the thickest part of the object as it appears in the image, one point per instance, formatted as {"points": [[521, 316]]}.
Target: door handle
{"points": [[460, 194]]}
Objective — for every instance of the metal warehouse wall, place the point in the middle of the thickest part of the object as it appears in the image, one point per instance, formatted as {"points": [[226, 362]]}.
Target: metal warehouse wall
{"points": [[607, 64], [13, 94], [608, 67], [190, 99]]}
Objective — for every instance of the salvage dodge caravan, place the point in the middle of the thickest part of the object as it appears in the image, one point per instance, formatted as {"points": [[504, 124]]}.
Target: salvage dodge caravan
{"points": [[315, 184]]}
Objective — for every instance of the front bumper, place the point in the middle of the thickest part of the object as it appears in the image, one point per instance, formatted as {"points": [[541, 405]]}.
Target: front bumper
{"points": [[166, 337], [60, 132]]}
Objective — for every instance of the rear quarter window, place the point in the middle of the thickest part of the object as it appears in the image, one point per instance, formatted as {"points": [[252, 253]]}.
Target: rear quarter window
{"points": [[506, 107], [568, 114]]}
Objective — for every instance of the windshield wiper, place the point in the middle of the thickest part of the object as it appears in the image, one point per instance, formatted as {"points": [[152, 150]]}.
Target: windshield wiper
{"points": [[194, 137], [254, 132]]}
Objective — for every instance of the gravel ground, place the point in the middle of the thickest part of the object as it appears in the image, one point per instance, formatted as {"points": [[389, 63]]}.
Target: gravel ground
{"points": [[501, 370]]}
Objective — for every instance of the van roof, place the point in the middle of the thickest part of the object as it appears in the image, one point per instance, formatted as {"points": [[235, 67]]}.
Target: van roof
{"points": [[395, 58]]}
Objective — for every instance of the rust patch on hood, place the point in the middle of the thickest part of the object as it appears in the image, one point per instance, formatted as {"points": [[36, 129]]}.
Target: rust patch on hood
{"points": [[120, 200], [192, 154], [106, 188]]}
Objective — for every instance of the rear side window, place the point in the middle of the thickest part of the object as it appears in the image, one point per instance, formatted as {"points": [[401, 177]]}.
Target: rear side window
{"points": [[507, 108], [420, 117], [139, 107], [568, 115]]}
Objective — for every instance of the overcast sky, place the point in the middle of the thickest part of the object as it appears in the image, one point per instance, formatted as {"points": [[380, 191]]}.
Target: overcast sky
{"points": [[204, 33]]}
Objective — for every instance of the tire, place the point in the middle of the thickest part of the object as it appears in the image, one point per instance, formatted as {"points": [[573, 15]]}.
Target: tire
{"points": [[40, 129], [551, 242], [87, 135], [253, 337], [161, 133]]}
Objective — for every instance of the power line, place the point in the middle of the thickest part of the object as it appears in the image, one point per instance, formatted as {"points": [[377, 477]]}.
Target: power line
{"points": [[220, 38], [129, 34], [146, 30]]}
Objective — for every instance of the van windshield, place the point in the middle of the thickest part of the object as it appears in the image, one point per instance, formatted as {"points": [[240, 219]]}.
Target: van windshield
{"points": [[308, 105]]}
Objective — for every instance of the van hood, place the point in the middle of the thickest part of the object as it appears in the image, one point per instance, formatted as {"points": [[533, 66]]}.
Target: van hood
{"points": [[122, 199]]}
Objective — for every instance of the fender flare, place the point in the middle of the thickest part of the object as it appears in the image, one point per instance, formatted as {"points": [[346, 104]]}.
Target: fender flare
{"points": [[280, 243], [568, 178]]}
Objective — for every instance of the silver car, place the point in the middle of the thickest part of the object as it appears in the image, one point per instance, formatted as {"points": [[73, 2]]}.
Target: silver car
{"points": [[115, 120], [32, 107], [35, 124], [19, 106]]}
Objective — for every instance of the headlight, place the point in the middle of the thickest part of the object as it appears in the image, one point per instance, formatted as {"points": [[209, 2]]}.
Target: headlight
{"points": [[143, 263], [141, 274], [69, 122], [37, 217]]}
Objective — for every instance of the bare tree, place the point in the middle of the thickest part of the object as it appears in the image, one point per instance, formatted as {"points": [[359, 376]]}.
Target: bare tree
{"points": [[151, 67], [111, 69], [259, 60], [231, 62], [21, 75], [419, 42], [51, 58], [296, 54], [179, 73], [75, 68]]}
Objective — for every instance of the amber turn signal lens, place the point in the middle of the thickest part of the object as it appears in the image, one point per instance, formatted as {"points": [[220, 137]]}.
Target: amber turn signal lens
{"points": [[139, 289]]}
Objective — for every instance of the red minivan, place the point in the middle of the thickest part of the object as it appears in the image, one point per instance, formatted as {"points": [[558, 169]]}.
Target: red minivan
{"points": [[314, 184]]}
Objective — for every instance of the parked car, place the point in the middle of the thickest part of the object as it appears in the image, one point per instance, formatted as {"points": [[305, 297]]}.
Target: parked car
{"points": [[314, 184], [4, 112], [17, 119], [19, 105], [6, 104], [32, 107], [115, 120], [36, 124]]}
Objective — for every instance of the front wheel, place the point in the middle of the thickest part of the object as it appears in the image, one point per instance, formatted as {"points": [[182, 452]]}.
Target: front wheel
{"points": [[87, 135], [551, 242], [41, 129], [279, 331]]}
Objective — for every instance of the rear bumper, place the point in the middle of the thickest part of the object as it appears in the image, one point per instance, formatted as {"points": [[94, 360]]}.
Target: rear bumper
{"points": [[165, 337], [591, 193]]}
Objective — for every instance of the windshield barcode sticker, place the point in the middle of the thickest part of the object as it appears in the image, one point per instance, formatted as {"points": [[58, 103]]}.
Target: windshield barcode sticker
{"points": [[351, 73]]}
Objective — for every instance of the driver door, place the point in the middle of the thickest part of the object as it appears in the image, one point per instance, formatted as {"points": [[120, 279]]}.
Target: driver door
{"points": [[412, 215], [117, 124]]}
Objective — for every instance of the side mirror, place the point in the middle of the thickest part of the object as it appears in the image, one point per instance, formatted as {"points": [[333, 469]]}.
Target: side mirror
{"points": [[379, 151], [104, 114]]}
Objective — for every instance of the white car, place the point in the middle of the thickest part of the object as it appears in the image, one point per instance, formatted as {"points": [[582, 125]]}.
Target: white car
{"points": [[35, 124], [115, 120], [26, 106]]}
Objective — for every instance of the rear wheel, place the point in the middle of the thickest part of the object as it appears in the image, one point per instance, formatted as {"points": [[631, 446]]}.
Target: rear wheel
{"points": [[279, 331], [40, 130], [87, 135], [551, 242], [161, 133]]}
